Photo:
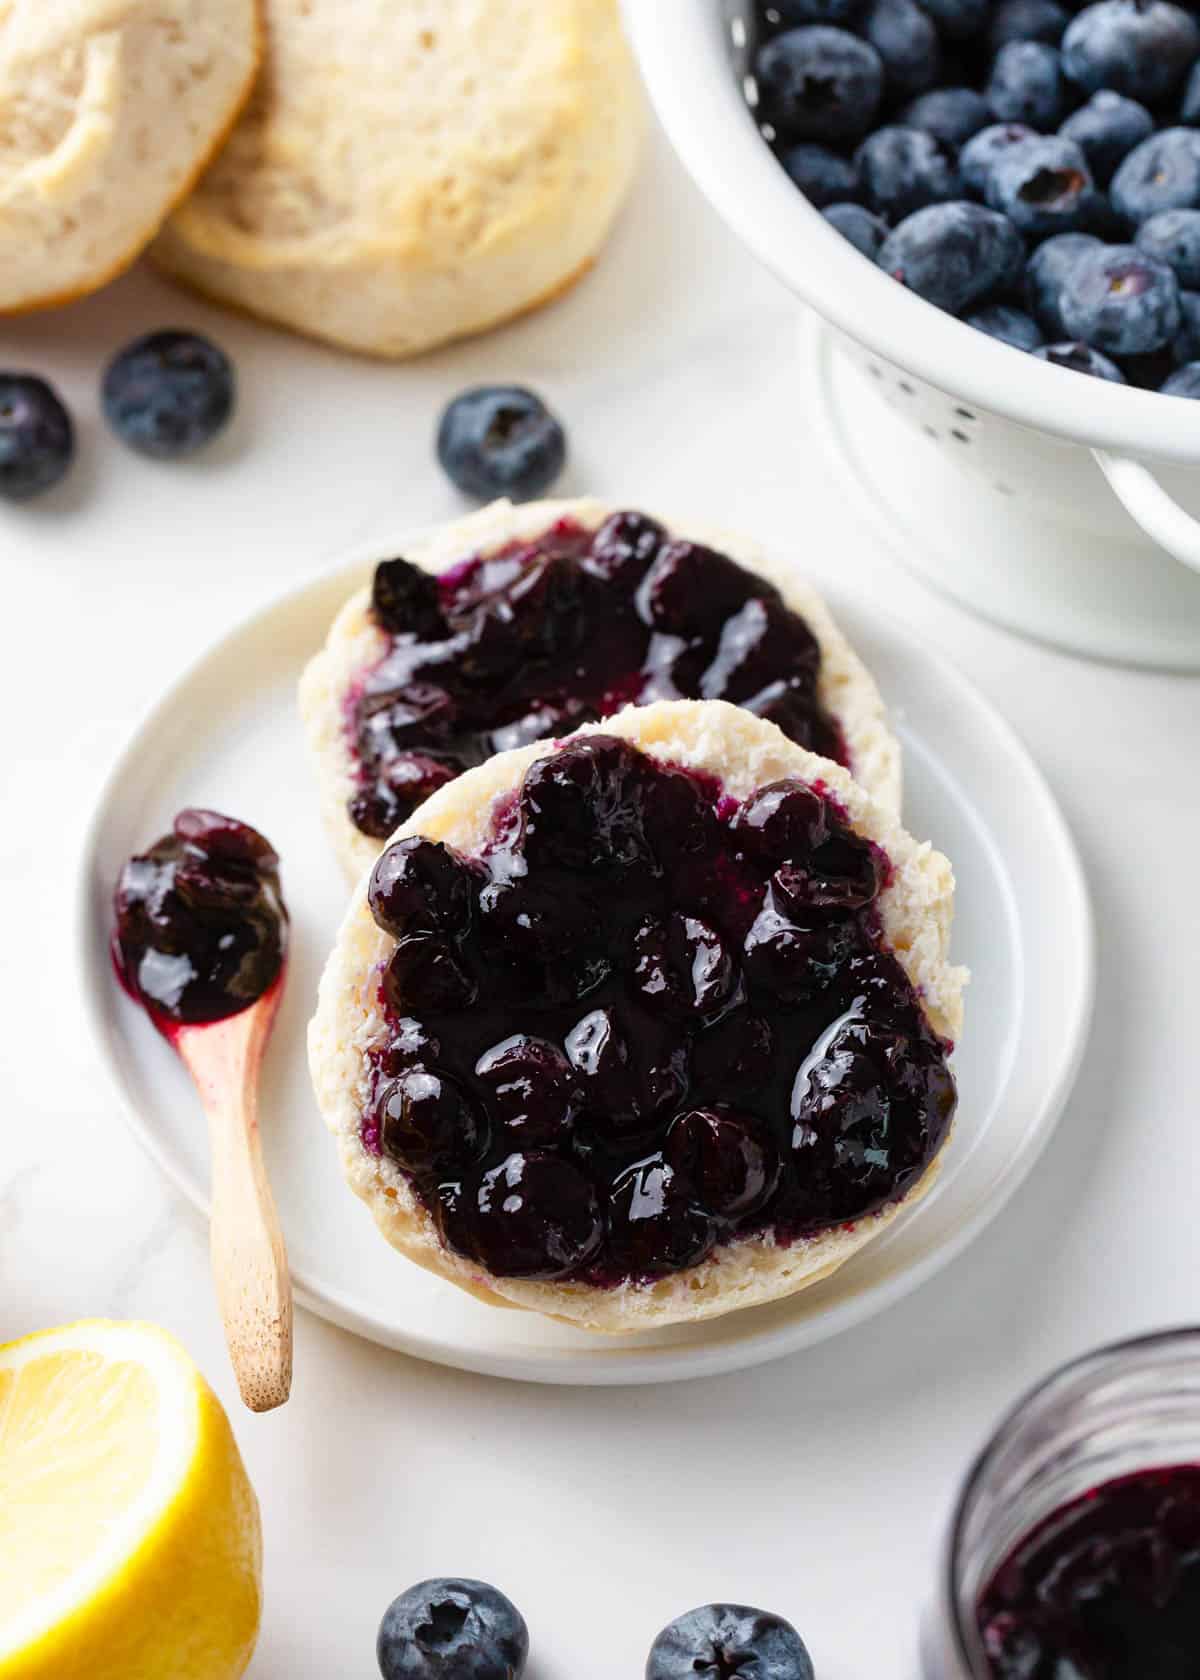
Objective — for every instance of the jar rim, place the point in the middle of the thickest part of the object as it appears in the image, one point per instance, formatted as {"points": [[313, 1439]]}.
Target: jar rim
{"points": [[1096, 1358]]}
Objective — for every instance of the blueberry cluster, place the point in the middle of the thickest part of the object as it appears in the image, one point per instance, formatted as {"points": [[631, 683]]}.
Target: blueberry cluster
{"points": [[201, 925], [645, 1019], [459, 1629], [1032, 166], [542, 636]]}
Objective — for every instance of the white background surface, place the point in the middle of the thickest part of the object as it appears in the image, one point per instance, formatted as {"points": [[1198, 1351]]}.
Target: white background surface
{"points": [[816, 1486]]}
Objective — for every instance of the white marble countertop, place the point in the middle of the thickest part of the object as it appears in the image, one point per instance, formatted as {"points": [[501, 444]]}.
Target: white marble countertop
{"points": [[816, 1486]]}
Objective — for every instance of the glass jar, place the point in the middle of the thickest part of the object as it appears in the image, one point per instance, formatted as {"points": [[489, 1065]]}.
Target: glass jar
{"points": [[1134, 1406]]}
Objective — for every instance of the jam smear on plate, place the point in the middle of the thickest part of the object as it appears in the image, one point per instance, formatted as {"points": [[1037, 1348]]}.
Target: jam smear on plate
{"points": [[201, 926], [1107, 1588], [645, 1020], [542, 636]]}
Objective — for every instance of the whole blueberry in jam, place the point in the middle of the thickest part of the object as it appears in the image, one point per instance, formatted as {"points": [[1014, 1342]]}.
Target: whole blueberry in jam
{"points": [[645, 1020], [201, 928], [169, 393], [540, 636]]}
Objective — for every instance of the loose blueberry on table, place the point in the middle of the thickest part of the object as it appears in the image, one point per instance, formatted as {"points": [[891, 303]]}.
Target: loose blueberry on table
{"points": [[729, 1642], [168, 394], [643, 1021], [501, 440], [1107, 1588], [455, 1629], [541, 636], [201, 928], [37, 439], [902, 119]]}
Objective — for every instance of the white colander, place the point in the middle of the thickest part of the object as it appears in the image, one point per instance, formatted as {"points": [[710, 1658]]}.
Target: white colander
{"points": [[1047, 506]]}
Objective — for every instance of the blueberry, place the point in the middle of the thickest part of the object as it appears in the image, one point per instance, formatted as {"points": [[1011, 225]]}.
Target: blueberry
{"points": [[533, 1091], [455, 1629], [500, 440], [168, 393], [823, 176], [865, 231], [726, 1161], [842, 873], [1045, 272], [535, 1215], [424, 1119], [1106, 130], [1043, 186], [1009, 325], [954, 255], [37, 439], [424, 972], [982, 151], [1026, 85], [1185, 347], [575, 809], [1189, 105], [418, 886], [1163, 173], [1184, 382], [682, 965], [691, 590], [782, 821], [404, 598], [1081, 358], [1026, 20], [904, 169], [1173, 236], [958, 20], [729, 1642], [819, 83], [623, 549], [951, 114], [817, 11], [907, 42], [794, 959], [1121, 301], [1142, 48], [653, 1225]]}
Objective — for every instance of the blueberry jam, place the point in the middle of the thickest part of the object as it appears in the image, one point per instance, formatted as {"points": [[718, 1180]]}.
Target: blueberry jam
{"points": [[646, 1019], [201, 928], [1108, 1588], [542, 636]]}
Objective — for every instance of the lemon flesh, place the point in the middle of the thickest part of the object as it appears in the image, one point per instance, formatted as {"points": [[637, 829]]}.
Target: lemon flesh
{"points": [[130, 1543]]}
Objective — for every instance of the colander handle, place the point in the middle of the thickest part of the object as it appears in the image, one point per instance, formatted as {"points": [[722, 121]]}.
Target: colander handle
{"points": [[1148, 505]]}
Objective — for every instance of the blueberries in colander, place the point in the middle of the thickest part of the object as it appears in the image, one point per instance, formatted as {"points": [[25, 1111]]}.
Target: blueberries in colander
{"points": [[1075, 127]]}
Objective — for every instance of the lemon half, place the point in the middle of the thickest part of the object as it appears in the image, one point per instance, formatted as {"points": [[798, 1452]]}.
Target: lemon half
{"points": [[130, 1542]]}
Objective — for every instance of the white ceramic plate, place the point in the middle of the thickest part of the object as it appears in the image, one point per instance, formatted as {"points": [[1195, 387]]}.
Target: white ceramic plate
{"points": [[227, 735]]}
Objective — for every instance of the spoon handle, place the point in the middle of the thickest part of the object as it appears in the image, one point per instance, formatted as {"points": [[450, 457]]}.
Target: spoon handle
{"points": [[249, 1261]]}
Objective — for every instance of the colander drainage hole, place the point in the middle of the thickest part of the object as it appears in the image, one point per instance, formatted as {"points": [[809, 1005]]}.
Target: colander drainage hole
{"points": [[906, 388], [930, 432], [961, 436], [874, 369], [965, 414]]}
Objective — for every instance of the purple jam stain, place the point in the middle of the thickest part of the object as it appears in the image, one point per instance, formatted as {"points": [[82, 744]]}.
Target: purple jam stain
{"points": [[201, 926], [1107, 1588], [542, 636], [646, 1020]]}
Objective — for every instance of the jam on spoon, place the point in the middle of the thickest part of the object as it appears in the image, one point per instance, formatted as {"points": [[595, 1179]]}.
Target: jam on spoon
{"points": [[201, 943]]}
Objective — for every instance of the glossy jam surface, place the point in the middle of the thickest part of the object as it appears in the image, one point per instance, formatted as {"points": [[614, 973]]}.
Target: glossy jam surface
{"points": [[201, 927], [645, 1020], [1108, 1588], [542, 636]]}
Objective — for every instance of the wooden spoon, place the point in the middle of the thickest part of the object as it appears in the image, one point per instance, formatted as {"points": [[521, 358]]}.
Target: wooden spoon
{"points": [[249, 1261]]}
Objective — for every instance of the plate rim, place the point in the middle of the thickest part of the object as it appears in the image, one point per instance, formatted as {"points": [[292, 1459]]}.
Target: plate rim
{"points": [[622, 1365]]}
